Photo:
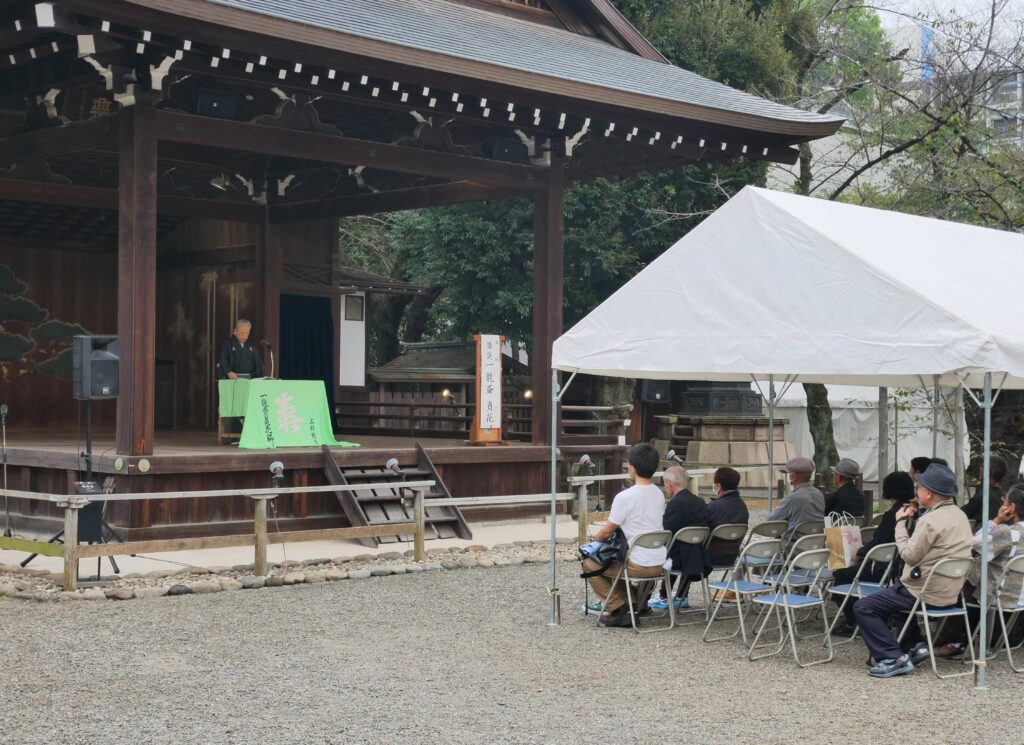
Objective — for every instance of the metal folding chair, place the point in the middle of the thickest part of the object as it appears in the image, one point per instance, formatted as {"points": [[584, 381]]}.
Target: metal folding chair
{"points": [[770, 549], [950, 569], [811, 542], [1015, 565], [877, 519], [857, 589], [766, 529], [654, 539], [732, 532], [785, 602], [810, 527], [695, 536], [867, 532]]}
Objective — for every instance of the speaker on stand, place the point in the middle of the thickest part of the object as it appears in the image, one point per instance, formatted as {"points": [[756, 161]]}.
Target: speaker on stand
{"points": [[96, 376]]}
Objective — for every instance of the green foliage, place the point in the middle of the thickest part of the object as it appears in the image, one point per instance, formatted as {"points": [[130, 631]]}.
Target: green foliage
{"points": [[13, 346], [56, 331], [20, 309], [9, 283], [59, 366]]}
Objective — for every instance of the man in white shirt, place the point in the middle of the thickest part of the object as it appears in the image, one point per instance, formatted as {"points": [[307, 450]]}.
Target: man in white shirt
{"points": [[635, 510]]}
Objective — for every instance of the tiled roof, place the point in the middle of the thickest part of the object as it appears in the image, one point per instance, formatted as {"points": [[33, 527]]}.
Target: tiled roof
{"points": [[473, 34]]}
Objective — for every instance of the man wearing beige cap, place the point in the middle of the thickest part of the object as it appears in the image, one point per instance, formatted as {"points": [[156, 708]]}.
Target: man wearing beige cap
{"points": [[847, 497], [805, 502]]}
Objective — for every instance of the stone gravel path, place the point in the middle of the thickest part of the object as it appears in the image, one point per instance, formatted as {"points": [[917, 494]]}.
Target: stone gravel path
{"points": [[462, 656]]}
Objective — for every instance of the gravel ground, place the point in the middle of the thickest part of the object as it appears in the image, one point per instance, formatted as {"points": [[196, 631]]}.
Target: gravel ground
{"points": [[462, 656]]}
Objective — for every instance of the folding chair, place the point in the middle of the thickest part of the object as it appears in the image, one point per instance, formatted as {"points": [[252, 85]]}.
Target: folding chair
{"points": [[951, 569], [1016, 564], [867, 532], [770, 549], [654, 539], [810, 527], [766, 529], [732, 532], [695, 536], [857, 589], [812, 542], [784, 601], [877, 519]]}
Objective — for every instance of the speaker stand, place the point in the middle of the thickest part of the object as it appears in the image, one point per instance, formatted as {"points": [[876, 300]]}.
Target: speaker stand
{"points": [[89, 488]]}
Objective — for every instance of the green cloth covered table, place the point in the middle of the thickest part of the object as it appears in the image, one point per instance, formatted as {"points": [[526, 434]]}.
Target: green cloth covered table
{"points": [[279, 413]]}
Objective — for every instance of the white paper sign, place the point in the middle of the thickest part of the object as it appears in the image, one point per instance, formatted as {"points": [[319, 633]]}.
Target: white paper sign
{"points": [[490, 381]]}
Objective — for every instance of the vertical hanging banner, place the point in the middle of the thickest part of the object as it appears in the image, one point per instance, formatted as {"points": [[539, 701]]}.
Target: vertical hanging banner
{"points": [[486, 428]]}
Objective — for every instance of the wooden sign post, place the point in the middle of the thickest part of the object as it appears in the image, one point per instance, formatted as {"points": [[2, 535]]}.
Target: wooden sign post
{"points": [[486, 428]]}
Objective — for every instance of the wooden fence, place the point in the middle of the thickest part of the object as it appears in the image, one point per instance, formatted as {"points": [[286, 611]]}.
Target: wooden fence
{"points": [[71, 551]]}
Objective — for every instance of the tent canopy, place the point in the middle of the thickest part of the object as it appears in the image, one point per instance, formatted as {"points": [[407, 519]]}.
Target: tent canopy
{"points": [[784, 285]]}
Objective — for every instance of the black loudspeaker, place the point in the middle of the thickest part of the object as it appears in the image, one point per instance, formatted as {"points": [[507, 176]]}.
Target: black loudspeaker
{"points": [[95, 365], [655, 391]]}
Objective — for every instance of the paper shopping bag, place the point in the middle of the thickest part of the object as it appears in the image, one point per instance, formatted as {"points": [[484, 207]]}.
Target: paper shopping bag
{"points": [[842, 542]]}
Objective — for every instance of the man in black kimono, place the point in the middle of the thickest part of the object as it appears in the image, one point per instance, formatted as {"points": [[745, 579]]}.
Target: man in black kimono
{"points": [[238, 357]]}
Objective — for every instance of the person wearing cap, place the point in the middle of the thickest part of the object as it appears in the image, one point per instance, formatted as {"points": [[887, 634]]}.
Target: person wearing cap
{"points": [[847, 497], [941, 533], [805, 503]]}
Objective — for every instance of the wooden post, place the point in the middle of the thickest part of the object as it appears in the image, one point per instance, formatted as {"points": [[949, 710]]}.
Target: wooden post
{"points": [[260, 528], [582, 509], [71, 546], [548, 239], [420, 516], [269, 268], [136, 280]]}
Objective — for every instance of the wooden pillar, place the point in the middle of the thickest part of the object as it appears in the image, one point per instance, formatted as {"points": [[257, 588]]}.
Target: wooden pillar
{"points": [[269, 267], [136, 279], [548, 238]]}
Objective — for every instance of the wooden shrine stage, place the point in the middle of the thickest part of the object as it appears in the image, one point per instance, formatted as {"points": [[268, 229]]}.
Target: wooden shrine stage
{"points": [[48, 461]]}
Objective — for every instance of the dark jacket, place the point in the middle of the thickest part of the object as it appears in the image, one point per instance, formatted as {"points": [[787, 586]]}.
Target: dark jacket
{"points": [[729, 507], [973, 507], [847, 498], [239, 358], [685, 510]]}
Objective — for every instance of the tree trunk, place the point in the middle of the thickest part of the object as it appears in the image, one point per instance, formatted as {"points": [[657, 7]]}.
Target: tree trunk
{"points": [[819, 418], [613, 391]]}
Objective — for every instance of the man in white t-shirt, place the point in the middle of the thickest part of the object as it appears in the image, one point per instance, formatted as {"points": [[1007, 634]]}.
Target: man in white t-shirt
{"points": [[635, 510]]}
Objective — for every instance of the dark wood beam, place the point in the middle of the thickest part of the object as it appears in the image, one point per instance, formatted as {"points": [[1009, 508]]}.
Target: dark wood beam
{"points": [[136, 281], [199, 130], [93, 197], [47, 143], [456, 192], [548, 271]]}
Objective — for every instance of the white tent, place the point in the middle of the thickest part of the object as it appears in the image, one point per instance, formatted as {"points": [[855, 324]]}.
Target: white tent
{"points": [[809, 290], [774, 283]]}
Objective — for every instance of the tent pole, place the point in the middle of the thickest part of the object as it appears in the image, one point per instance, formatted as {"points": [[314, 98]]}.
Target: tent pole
{"points": [[935, 416], [979, 675], [553, 591], [771, 439], [958, 443], [883, 440]]}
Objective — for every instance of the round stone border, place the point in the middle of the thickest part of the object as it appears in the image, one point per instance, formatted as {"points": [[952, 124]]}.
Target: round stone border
{"points": [[17, 583]]}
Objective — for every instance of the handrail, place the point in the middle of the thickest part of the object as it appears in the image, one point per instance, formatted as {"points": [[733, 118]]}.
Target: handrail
{"points": [[578, 480], [210, 494], [260, 538]]}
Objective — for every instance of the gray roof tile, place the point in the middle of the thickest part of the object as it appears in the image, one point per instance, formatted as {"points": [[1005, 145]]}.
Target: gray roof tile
{"points": [[459, 31]]}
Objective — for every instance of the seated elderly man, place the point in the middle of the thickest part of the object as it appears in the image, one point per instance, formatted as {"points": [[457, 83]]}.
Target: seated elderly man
{"points": [[805, 503], [847, 497], [940, 533], [684, 510], [635, 510], [1006, 540]]}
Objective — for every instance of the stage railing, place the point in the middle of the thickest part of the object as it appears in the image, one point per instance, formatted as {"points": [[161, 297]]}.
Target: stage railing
{"points": [[71, 551]]}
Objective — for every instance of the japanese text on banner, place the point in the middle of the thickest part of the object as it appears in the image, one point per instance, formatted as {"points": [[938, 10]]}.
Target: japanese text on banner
{"points": [[490, 381]]}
